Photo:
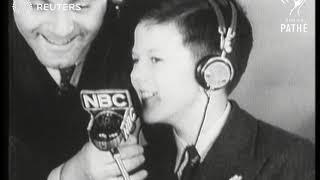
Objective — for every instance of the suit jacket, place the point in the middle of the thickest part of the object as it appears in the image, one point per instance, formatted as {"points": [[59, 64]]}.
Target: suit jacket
{"points": [[246, 147], [48, 127]]}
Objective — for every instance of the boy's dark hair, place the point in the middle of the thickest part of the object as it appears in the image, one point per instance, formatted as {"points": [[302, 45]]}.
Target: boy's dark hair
{"points": [[198, 24]]}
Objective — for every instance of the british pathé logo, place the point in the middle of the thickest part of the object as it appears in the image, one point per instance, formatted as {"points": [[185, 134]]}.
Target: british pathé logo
{"points": [[295, 6], [294, 22]]}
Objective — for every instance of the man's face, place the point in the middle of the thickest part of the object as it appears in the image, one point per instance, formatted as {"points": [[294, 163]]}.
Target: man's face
{"points": [[163, 73], [60, 35]]}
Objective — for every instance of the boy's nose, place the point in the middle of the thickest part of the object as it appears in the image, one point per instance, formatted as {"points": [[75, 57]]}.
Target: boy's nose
{"points": [[140, 73]]}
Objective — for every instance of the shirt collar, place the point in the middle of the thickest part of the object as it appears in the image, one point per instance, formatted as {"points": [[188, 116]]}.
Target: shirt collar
{"points": [[55, 74], [209, 133], [181, 145], [76, 75]]}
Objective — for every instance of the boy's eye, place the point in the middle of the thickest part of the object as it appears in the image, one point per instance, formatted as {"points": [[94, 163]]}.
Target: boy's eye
{"points": [[155, 59], [135, 60]]}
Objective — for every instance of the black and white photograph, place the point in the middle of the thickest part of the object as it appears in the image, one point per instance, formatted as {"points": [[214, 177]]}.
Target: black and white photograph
{"points": [[132, 90]]}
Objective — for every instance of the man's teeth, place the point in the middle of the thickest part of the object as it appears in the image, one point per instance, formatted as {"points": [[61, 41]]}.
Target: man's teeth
{"points": [[147, 94], [59, 43]]}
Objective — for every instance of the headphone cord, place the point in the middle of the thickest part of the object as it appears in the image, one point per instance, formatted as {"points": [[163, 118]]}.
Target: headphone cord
{"points": [[203, 119], [193, 147]]}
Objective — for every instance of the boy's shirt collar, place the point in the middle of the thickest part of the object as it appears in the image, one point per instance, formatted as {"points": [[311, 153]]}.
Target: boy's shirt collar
{"points": [[208, 135]]}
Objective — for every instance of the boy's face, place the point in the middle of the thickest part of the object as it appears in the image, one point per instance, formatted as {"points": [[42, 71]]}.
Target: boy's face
{"points": [[60, 34], [163, 73]]}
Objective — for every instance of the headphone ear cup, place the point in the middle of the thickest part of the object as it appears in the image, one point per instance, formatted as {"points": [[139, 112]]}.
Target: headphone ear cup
{"points": [[199, 72], [214, 72], [217, 75]]}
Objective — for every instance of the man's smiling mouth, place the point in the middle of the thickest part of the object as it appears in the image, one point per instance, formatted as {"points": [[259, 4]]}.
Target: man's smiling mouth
{"points": [[62, 42]]}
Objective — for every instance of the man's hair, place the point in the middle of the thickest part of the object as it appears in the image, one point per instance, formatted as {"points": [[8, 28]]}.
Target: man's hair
{"points": [[198, 24]]}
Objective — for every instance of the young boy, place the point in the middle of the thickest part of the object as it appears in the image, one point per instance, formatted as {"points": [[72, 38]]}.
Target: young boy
{"points": [[188, 57]]}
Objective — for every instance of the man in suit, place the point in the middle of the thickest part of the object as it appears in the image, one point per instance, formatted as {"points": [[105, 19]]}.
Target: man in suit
{"points": [[54, 53]]}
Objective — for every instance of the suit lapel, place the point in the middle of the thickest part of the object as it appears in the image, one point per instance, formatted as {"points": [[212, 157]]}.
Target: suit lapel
{"points": [[233, 153]]}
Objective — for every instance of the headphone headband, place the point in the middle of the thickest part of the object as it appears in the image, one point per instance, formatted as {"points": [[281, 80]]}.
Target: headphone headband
{"points": [[225, 36], [215, 72], [221, 22]]}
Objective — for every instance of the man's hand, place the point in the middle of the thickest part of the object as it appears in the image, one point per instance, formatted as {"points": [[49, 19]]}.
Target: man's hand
{"points": [[101, 164], [92, 164]]}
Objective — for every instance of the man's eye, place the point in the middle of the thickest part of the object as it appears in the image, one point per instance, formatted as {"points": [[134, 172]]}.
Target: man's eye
{"points": [[155, 59], [83, 6], [38, 1], [34, 6]]}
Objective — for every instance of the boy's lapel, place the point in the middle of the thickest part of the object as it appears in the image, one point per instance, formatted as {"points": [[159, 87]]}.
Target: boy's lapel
{"points": [[233, 153]]}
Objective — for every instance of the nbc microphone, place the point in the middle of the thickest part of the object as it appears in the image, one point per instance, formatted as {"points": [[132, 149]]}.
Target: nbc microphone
{"points": [[112, 120]]}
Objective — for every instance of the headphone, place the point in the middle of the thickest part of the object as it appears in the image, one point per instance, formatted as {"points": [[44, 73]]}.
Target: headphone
{"points": [[215, 72]]}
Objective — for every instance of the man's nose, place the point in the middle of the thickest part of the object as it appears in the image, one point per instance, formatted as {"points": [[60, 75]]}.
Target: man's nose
{"points": [[62, 23], [139, 73]]}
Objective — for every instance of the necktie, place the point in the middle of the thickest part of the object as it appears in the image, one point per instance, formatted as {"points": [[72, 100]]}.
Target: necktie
{"points": [[66, 74], [192, 164]]}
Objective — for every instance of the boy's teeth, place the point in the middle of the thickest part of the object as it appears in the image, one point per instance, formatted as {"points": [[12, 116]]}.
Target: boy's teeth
{"points": [[147, 94]]}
